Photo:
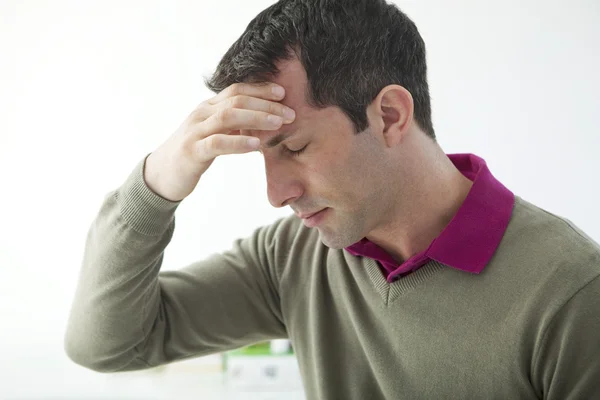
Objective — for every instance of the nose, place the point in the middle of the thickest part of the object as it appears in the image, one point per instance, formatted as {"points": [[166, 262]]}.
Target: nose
{"points": [[283, 185]]}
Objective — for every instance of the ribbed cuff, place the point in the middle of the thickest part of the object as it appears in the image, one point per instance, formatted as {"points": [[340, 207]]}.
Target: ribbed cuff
{"points": [[145, 211]]}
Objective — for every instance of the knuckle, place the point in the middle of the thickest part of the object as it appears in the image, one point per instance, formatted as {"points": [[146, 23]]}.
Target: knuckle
{"points": [[213, 143], [262, 120], [229, 103], [223, 115], [237, 101], [236, 89], [275, 108]]}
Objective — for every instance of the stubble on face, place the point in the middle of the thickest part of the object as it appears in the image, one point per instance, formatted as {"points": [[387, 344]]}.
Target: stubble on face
{"points": [[357, 180]]}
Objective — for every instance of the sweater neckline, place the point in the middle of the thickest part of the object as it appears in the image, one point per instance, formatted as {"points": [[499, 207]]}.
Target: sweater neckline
{"points": [[390, 291]]}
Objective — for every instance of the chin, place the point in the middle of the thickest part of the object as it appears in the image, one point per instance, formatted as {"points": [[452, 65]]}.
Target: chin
{"points": [[332, 244], [336, 241]]}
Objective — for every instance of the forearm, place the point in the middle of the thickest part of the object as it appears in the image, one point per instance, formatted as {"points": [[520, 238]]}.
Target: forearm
{"points": [[127, 315], [118, 295]]}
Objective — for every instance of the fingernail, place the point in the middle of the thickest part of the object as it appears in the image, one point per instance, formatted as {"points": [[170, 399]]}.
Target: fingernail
{"points": [[274, 120], [254, 143], [278, 91], [289, 114]]}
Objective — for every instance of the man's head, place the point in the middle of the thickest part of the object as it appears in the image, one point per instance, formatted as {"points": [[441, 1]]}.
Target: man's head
{"points": [[355, 73], [350, 50]]}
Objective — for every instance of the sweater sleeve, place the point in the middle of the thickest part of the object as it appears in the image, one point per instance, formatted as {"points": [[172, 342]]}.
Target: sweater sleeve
{"points": [[568, 361], [128, 315]]}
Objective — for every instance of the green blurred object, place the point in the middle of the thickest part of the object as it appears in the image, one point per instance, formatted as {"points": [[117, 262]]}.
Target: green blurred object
{"points": [[259, 349], [264, 349]]}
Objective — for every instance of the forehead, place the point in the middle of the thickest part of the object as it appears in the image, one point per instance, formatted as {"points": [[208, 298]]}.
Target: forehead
{"points": [[292, 77]]}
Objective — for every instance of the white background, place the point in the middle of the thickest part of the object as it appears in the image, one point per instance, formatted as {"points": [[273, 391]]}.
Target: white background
{"points": [[87, 88]]}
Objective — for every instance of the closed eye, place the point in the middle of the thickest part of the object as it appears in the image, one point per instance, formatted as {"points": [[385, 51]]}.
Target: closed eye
{"points": [[295, 152]]}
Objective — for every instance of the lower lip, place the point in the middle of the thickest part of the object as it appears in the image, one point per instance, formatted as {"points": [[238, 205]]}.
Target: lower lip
{"points": [[315, 219]]}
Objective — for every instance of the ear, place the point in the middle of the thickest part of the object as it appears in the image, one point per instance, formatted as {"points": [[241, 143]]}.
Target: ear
{"points": [[391, 113]]}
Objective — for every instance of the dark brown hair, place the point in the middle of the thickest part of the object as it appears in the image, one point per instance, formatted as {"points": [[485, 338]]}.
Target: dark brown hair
{"points": [[350, 49]]}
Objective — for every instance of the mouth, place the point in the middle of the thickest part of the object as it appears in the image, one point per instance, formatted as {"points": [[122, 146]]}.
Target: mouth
{"points": [[308, 215], [313, 219]]}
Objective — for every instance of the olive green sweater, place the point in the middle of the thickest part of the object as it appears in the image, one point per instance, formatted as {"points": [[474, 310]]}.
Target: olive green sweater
{"points": [[527, 327]]}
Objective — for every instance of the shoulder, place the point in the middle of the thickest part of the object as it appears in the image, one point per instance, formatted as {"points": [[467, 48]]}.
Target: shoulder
{"points": [[551, 232], [557, 251]]}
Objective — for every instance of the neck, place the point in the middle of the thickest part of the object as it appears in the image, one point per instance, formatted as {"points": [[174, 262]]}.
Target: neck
{"points": [[431, 194]]}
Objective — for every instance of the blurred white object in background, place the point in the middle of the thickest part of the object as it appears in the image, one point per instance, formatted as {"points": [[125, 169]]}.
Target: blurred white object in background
{"points": [[280, 346], [263, 373], [269, 366]]}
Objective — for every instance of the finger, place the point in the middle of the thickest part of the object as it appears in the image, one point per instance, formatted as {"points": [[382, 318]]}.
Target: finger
{"points": [[267, 91], [231, 119], [257, 104], [221, 144], [204, 111]]}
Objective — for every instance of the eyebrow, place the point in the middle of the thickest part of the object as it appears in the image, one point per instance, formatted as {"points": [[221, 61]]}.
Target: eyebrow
{"points": [[274, 141]]}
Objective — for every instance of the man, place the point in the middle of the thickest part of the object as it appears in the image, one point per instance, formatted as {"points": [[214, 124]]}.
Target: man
{"points": [[405, 273]]}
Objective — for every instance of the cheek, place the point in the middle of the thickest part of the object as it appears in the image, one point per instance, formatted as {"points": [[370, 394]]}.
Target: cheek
{"points": [[336, 177]]}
